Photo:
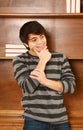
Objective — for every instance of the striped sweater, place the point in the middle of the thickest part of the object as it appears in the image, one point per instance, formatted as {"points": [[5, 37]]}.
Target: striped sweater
{"points": [[40, 102]]}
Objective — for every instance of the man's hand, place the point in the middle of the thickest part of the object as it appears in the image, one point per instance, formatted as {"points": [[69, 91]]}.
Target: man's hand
{"points": [[42, 79], [44, 55], [39, 76]]}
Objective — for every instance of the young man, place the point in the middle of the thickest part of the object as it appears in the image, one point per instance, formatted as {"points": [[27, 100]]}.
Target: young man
{"points": [[44, 77]]}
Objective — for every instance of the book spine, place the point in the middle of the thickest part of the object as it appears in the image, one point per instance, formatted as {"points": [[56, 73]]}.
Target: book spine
{"points": [[73, 6], [78, 6], [14, 46], [12, 50], [81, 6], [11, 54], [68, 9]]}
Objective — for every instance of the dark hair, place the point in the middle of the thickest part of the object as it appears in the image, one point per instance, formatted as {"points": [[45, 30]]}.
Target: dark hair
{"points": [[33, 27]]}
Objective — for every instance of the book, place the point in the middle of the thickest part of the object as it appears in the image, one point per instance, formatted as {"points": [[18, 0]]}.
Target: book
{"points": [[78, 6], [73, 6], [14, 49], [14, 46], [68, 6], [11, 54], [81, 6]]}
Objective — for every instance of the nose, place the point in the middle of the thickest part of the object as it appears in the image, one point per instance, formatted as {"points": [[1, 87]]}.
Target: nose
{"points": [[39, 41]]}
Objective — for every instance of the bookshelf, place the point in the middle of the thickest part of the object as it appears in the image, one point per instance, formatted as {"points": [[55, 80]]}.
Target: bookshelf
{"points": [[71, 20], [66, 36]]}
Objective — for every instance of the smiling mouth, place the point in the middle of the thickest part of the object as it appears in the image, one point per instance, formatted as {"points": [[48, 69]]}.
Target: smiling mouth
{"points": [[41, 46]]}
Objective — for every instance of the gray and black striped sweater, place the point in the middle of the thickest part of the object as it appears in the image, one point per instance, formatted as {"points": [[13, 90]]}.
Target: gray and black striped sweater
{"points": [[40, 102]]}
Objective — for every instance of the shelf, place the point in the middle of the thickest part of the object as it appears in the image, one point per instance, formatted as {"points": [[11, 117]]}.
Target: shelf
{"points": [[43, 15], [5, 58], [70, 58], [11, 113], [9, 117]]}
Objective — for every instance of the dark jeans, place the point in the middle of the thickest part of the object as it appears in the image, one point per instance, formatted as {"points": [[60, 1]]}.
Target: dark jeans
{"points": [[31, 124]]}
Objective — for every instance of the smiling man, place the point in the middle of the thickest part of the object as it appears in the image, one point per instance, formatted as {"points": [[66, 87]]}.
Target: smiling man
{"points": [[44, 77]]}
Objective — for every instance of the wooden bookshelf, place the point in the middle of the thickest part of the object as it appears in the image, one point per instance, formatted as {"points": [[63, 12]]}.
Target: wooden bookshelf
{"points": [[41, 15], [67, 26]]}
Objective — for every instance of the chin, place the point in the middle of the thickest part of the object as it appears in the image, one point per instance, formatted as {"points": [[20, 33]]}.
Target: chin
{"points": [[39, 50]]}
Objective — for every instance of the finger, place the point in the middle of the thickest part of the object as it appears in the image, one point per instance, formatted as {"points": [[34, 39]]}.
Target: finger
{"points": [[33, 77], [35, 72]]}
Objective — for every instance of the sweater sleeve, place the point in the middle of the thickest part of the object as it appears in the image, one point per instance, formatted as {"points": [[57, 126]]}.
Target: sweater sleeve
{"points": [[21, 74], [67, 77]]}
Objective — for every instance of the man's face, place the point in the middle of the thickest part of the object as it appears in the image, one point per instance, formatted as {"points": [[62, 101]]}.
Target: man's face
{"points": [[37, 42]]}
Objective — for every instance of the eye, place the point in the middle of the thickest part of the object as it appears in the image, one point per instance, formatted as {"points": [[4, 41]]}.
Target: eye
{"points": [[34, 39], [42, 36]]}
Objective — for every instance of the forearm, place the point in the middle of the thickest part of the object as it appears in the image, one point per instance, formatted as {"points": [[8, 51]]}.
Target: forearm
{"points": [[41, 65], [54, 85], [44, 57], [41, 77]]}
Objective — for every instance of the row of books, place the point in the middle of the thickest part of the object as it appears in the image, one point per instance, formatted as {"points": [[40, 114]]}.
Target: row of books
{"points": [[73, 6], [12, 50]]}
